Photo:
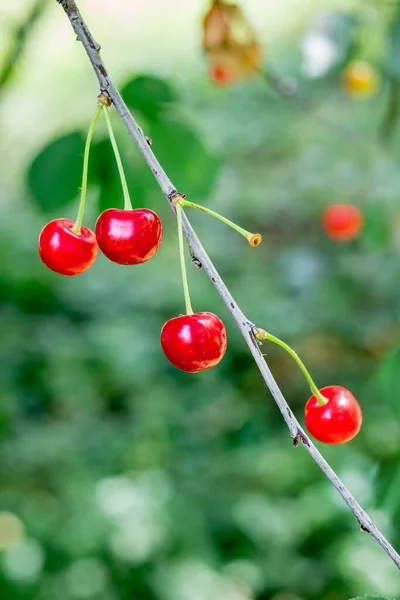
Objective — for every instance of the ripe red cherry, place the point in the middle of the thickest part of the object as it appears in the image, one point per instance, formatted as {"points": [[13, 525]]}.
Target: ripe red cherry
{"points": [[342, 222], [221, 75], [65, 251], [194, 343], [128, 237], [337, 421]]}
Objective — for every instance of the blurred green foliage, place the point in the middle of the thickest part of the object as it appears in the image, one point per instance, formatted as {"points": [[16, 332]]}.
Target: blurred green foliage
{"points": [[134, 480], [56, 172]]}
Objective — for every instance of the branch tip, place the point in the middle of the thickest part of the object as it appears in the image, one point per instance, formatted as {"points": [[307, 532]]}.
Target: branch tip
{"points": [[255, 240]]}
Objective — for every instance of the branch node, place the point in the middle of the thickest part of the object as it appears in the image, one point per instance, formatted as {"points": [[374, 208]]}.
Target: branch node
{"points": [[196, 262], [296, 441], [174, 197], [300, 437], [104, 99], [259, 334]]}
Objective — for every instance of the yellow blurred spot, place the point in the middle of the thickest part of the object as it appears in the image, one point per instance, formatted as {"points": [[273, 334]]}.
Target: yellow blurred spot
{"points": [[11, 530], [360, 80]]}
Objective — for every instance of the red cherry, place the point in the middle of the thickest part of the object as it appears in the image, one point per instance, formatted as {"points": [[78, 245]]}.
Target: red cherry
{"points": [[194, 343], [337, 421], [221, 75], [65, 251], [128, 237], [342, 222]]}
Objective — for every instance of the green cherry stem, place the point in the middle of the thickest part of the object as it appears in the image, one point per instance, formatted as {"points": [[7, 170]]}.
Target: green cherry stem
{"points": [[127, 198], [254, 239], [189, 310], [263, 335], [78, 223]]}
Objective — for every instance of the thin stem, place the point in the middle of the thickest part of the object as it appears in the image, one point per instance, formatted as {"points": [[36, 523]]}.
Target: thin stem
{"points": [[78, 223], [268, 336], [127, 198], [189, 310], [254, 239]]}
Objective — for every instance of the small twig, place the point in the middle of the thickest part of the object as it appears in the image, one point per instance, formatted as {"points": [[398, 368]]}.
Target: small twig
{"points": [[286, 88], [18, 42], [246, 327]]}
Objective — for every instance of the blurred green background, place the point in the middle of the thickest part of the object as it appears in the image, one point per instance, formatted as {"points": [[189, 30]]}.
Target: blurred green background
{"points": [[121, 477]]}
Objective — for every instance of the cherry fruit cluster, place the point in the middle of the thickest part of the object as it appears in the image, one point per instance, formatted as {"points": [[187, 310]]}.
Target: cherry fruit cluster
{"points": [[127, 237], [192, 342]]}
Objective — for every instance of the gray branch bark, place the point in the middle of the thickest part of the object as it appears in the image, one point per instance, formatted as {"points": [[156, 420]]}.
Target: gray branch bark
{"points": [[246, 327]]}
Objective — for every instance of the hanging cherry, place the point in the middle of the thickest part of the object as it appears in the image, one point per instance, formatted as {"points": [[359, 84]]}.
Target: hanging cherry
{"points": [[127, 236], [196, 341], [337, 420], [66, 247], [332, 414], [64, 250]]}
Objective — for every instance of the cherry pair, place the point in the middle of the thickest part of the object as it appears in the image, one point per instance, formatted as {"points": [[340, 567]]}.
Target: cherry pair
{"points": [[332, 414], [127, 237]]}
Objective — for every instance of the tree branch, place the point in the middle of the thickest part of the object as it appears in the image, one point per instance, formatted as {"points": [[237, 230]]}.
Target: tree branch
{"points": [[18, 42], [246, 327]]}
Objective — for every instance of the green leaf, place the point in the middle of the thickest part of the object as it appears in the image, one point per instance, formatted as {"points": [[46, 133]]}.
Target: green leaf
{"points": [[184, 158], [377, 231], [149, 95], [393, 62], [55, 174]]}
